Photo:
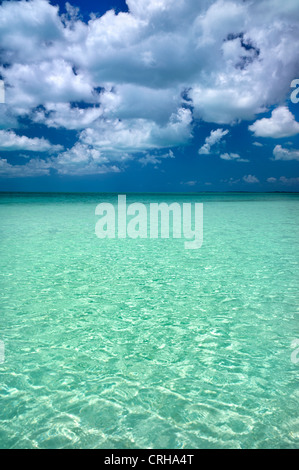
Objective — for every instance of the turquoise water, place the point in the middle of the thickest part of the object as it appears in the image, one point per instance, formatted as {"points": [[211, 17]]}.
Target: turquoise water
{"points": [[142, 343]]}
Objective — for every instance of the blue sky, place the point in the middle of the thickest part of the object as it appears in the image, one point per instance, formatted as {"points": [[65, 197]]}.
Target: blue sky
{"points": [[149, 95]]}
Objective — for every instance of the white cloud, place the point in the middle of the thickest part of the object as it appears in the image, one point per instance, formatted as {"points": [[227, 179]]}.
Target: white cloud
{"points": [[10, 141], [137, 72], [256, 47], [147, 8], [223, 51], [29, 30], [82, 160], [136, 135], [281, 153], [7, 118], [35, 167], [54, 81], [64, 115], [128, 101], [77, 161], [257, 144], [290, 181], [213, 139], [281, 124], [233, 156], [155, 159], [189, 183], [250, 179], [283, 180]]}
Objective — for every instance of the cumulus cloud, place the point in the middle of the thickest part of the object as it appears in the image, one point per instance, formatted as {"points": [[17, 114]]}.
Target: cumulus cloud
{"points": [[250, 179], [77, 161], [213, 139], [283, 180], [136, 81], [8, 119], [128, 101], [233, 156], [31, 85], [9, 141], [135, 135], [29, 30], [189, 183], [35, 167], [281, 153], [82, 160], [66, 116], [290, 181], [155, 159], [281, 124]]}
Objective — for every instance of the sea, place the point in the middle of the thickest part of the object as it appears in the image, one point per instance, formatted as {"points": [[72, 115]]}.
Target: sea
{"points": [[122, 343]]}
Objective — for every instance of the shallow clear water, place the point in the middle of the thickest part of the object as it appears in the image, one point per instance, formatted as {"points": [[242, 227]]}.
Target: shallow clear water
{"points": [[142, 343]]}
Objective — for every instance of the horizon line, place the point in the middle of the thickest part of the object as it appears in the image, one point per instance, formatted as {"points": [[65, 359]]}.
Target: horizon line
{"points": [[148, 192]]}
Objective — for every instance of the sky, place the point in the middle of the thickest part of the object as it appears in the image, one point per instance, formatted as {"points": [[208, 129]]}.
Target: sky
{"points": [[149, 95]]}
